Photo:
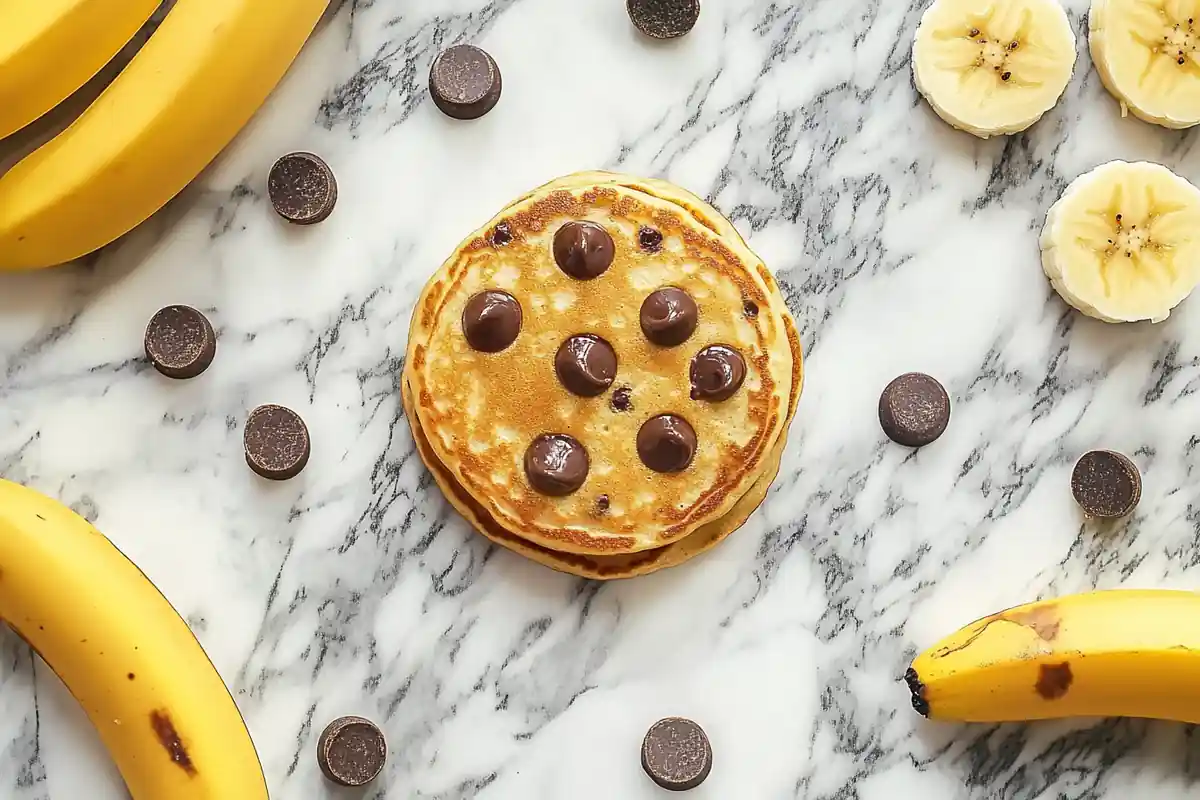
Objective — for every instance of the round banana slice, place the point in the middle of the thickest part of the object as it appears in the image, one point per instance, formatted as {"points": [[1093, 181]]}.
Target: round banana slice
{"points": [[1148, 56], [1122, 244], [992, 67]]}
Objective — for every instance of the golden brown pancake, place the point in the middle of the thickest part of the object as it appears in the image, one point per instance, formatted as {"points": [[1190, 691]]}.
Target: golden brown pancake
{"points": [[481, 410], [604, 567], [596, 567], [709, 217]]}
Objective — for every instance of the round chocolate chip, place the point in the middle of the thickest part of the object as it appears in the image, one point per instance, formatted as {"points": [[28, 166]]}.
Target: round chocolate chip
{"points": [[180, 342], [602, 504], [650, 239], [750, 309], [622, 399], [302, 188], [351, 751], [666, 443], [277, 442], [669, 316], [491, 321], [663, 19], [502, 234], [556, 464], [464, 82], [717, 373], [583, 250], [1106, 485], [914, 409], [586, 365], [676, 754]]}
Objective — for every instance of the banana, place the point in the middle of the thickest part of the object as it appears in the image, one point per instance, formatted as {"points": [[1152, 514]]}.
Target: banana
{"points": [[993, 67], [50, 48], [182, 98], [1148, 55], [141, 676], [1122, 244], [1119, 653]]}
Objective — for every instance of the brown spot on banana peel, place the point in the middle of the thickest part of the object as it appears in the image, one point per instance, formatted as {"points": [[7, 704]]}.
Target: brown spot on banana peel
{"points": [[168, 737], [1042, 620], [1054, 680]]}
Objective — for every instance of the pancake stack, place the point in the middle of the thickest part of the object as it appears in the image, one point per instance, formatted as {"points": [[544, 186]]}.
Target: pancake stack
{"points": [[601, 379]]}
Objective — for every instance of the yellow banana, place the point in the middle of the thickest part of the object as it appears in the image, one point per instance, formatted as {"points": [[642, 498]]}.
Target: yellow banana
{"points": [[1120, 653], [182, 98], [134, 665], [50, 48]]}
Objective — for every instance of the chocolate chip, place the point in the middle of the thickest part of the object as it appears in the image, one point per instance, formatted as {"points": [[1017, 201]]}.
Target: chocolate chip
{"points": [[602, 503], [650, 239], [586, 365], [583, 250], [180, 342], [302, 188], [669, 316], [556, 464], [351, 751], [277, 442], [464, 82], [717, 373], [1106, 485], [914, 409], [502, 234], [666, 443], [676, 754], [491, 321], [663, 19], [750, 309], [622, 399]]}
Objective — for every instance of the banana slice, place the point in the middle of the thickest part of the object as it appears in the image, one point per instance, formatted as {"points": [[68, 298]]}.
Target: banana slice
{"points": [[1148, 56], [992, 67], [1122, 244]]}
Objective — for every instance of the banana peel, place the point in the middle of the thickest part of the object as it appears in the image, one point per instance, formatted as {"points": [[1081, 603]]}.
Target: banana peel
{"points": [[1115, 653], [139, 673]]}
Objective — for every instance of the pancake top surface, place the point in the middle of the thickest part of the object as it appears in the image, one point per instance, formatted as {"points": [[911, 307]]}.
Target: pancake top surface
{"points": [[491, 400]]}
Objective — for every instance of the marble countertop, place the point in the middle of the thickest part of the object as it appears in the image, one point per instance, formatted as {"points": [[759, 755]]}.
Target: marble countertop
{"points": [[900, 245]]}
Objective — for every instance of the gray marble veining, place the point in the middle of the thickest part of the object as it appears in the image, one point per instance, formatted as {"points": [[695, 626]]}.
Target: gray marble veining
{"points": [[900, 245]]}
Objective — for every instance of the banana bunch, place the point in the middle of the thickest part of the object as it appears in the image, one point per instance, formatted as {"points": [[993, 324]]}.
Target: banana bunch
{"points": [[114, 640], [1120, 653], [50, 48], [178, 103]]}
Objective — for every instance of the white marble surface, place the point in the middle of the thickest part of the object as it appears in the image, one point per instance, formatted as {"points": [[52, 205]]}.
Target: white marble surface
{"points": [[900, 243]]}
